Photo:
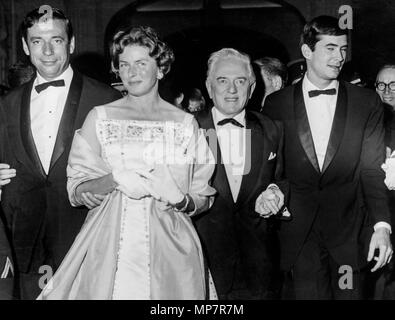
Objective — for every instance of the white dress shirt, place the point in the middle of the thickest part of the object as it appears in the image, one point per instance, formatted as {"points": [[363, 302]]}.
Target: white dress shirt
{"points": [[46, 109], [232, 142], [320, 113]]}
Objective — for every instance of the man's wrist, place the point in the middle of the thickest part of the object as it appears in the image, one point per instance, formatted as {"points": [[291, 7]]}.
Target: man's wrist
{"points": [[273, 187], [382, 224]]}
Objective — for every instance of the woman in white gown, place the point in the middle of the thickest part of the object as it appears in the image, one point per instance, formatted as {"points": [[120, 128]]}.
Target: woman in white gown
{"points": [[143, 167]]}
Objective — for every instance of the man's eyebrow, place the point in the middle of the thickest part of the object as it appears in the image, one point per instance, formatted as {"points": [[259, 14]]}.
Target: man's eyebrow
{"points": [[335, 45]]}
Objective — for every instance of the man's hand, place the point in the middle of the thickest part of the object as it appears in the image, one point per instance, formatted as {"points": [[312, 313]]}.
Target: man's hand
{"points": [[389, 169], [6, 174], [90, 200], [269, 201], [381, 241]]}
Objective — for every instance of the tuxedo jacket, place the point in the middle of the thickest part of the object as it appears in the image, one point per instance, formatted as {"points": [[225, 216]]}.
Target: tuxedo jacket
{"points": [[240, 246], [41, 221], [348, 196]]}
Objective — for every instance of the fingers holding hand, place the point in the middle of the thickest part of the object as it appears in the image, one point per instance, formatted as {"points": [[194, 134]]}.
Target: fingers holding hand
{"points": [[91, 200]]}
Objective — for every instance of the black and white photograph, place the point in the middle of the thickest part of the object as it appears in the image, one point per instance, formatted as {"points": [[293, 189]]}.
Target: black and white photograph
{"points": [[199, 156]]}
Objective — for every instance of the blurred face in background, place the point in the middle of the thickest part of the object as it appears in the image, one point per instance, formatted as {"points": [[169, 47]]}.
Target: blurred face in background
{"points": [[384, 82]]}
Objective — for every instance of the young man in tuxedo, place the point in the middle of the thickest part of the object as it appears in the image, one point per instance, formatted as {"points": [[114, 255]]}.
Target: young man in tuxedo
{"points": [[333, 150], [40, 120], [237, 234]]}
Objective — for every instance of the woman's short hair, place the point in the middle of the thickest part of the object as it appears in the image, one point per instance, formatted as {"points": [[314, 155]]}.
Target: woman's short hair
{"points": [[144, 37], [227, 53], [319, 26]]}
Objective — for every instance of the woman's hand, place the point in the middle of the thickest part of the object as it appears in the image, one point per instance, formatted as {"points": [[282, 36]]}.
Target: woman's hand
{"points": [[131, 184], [162, 186]]}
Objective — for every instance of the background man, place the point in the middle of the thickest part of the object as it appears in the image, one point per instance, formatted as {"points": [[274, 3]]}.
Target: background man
{"points": [[385, 88], [334, 148], [40, 119], [273, 73], [240, 244]]}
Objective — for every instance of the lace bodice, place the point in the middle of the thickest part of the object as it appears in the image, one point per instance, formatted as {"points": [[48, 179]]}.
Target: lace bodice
{"points": [[135, 144]]}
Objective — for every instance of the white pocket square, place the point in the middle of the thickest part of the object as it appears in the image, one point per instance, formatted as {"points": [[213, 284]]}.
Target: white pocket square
{"points": [[272, 156]]}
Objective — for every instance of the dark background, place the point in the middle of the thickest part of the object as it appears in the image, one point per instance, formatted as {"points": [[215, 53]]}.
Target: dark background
{"points": [[194, 28]]}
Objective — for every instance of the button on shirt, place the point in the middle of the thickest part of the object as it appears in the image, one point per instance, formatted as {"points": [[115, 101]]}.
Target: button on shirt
{"points": [[232, 143], [46, 109], [320, 112]]}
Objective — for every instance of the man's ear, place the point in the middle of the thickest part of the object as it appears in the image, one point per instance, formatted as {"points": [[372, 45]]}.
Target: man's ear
{"points": [[208, 87], [72, 45], [252, 88], [25, 47], [277, 82], [306, 51]]}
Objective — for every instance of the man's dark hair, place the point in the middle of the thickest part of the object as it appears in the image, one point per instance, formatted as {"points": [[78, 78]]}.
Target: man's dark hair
{"points": [[34, 17], [319, 26], [273, 67]]}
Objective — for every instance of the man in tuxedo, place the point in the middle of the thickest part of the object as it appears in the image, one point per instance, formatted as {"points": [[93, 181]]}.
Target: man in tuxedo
{"points": [[40, 119], [333, 150], [237, 234], [385, 88]]}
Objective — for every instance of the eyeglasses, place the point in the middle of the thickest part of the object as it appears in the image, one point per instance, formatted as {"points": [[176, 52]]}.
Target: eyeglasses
{"points": [[381, 86]]}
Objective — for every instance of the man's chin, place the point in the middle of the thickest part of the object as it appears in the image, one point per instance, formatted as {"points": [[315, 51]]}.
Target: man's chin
{"points": [[49, 73]]}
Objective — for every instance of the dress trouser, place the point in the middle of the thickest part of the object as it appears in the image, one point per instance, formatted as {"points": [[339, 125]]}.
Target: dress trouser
{"points": [[317, 276]]}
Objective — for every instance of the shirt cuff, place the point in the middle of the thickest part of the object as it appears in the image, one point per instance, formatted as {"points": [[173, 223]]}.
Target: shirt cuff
{"points": [[382, 224], [273, 185]]}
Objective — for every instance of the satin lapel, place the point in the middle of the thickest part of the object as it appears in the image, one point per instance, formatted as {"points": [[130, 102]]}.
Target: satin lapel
{"points": [[303, 127], [253, 159], [337, 131], [26, 131], [220, 180], [66, 127]]}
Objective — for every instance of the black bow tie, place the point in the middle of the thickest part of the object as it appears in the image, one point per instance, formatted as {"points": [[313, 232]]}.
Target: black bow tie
{"points": [[45, 85], [230, 120], [315, 93]]}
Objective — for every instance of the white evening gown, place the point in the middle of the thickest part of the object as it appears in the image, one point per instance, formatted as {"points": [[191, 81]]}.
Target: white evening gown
{"points": [[142, 249]]}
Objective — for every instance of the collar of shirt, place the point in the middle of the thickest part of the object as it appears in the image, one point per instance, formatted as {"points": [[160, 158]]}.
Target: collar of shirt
{"points": [[218, 116], [67, 76], [307, 86]]}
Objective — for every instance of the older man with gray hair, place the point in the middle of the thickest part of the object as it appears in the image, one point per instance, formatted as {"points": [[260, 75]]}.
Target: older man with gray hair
{"points": [[238, 232]]}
